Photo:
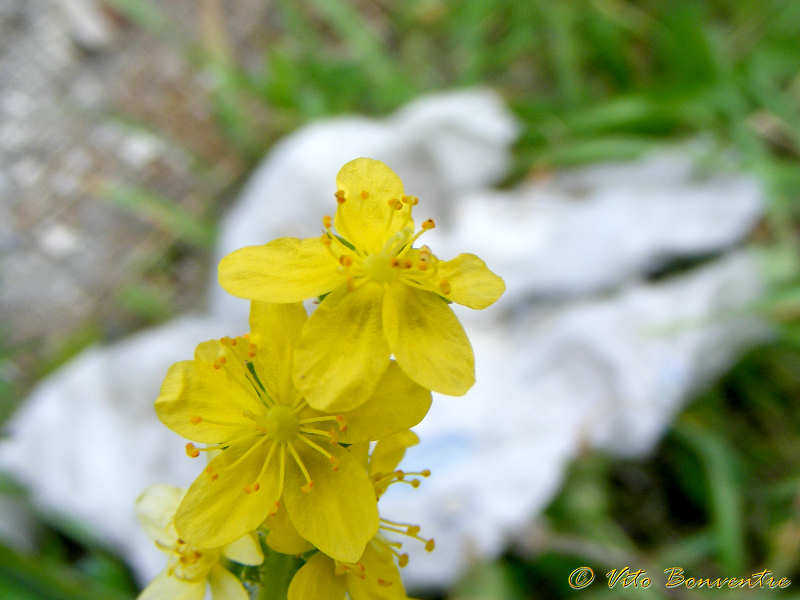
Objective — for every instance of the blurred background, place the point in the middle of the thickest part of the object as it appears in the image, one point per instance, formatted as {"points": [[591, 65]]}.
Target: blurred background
{"points": [[128, 127]]}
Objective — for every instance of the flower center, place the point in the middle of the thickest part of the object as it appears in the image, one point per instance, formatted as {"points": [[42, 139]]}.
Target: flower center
{"points": [[190, 564], [378, 267], [281, 423]]}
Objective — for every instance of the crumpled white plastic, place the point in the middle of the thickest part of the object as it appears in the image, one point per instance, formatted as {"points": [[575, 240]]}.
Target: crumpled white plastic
{"points": [[559, 364]]}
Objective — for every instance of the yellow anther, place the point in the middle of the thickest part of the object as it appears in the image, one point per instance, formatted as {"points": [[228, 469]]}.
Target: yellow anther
{"points": [[326, 222], [222, 360], [334, 462], [325, 239], [339, 196], [426, 473], [395, 204], [412, 200], [256, 486], [422, 265], [364, 194], [384, 583], [430, 545], [444, 285], [216, 365], [306, 489], [192, 451], [407, 264], [429, 224], [402, 560], [413, 530], [342, 424], [196, 420], [414, 483], [395, 262], [275, 509], [248, 489], [345, 260]]}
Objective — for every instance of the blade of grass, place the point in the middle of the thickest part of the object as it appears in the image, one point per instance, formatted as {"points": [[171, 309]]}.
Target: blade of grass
{"points": [[724, 491], [159, 211]]}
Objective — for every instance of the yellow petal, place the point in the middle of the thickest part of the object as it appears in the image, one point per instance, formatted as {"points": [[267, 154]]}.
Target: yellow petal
{"points": [[164, 586], [427, 340], [339, 516], [397, 404], [316, 580], [284, 270], [155, 508], [360, 451], [224, 586], [471, 282], [275, 331], [381, 579], [189, 402], [217, 509], [388, 452], [246, 550], [282, 536], [342, 352], [365, 217]]}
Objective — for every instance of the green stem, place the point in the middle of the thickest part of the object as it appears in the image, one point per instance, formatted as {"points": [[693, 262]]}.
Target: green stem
{"points": [[276, 573]]}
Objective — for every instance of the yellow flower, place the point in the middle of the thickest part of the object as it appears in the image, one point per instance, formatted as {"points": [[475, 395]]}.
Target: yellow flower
{"points": [[190, 569], [237, 396], [385, 295], [376, 575]]}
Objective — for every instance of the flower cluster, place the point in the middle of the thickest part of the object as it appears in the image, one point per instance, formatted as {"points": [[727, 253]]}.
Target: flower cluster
{"points": [[305, 419]]}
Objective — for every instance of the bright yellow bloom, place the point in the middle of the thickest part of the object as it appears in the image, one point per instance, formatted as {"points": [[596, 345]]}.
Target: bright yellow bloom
{"points": [[237, 396], [376, 575], [190, 569], [385, 295]]}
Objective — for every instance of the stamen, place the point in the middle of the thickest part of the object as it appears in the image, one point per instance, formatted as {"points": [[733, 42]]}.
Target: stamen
{"points": [[339, 196], [333, 460], [345, 260], [412, 200], [423, 473], [326, 222], [318, 420], [325, 240], [192, 451], [342, 423], [196, 420], [444, 285], [281, 472], [429, 224], [309, 483], [311, 431], [364, 194]]}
